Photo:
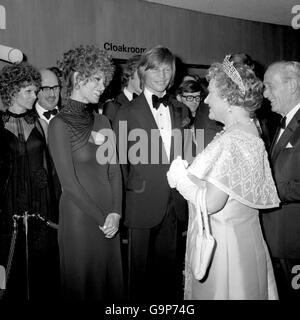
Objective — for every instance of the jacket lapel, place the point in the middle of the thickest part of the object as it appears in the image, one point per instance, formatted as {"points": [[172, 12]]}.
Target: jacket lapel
{"points": [[146, 120], [175, 113], [121, 99], [286, 135], [272, 147], [143, 113]]}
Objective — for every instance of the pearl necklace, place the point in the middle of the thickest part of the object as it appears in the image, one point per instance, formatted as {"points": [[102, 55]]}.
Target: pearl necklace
{"points": [[235, 122]]}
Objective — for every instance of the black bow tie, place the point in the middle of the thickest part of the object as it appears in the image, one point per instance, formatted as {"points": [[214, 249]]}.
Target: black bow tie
{"points": [[134, 95], [156, 101], [47, 114], [283, 123]]}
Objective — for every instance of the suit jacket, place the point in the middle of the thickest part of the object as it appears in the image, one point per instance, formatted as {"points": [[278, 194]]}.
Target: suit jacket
{"points": [[146, 187], [282, 225], [110, 108], [54, 180]]}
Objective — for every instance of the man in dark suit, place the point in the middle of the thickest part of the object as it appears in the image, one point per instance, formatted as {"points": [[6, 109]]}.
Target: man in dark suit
{"points": [[131, 88], [144, 132], [46, 108], [46, 105], [282, 225]]}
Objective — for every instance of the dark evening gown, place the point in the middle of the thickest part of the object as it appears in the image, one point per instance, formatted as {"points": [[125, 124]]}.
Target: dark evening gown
{"points": [[26, 185], [90, 263]]}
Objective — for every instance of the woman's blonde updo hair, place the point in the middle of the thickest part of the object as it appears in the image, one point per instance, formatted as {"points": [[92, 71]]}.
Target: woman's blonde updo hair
{"points": [[86, 60], [228, 89]]}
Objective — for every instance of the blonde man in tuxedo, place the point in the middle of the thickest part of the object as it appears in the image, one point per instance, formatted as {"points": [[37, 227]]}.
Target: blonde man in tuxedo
{"points": [[153, 209]]}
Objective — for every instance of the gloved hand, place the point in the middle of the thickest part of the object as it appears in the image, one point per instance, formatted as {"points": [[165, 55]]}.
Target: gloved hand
{"points": [[177, 171]]}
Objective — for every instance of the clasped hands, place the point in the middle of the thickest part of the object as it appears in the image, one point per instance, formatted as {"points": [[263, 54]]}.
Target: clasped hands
{"points": [[177, 170], [111, 225]]}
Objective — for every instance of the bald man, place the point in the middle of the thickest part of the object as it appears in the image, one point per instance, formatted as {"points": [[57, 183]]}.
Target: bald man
{"points": [[48, 96]]}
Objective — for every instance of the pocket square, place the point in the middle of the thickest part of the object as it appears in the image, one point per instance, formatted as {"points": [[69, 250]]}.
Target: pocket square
{"points": [[289, 146]]}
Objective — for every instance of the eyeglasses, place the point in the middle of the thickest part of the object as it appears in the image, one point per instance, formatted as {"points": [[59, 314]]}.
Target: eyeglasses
{"points": [[191, 98], [47, 90]]}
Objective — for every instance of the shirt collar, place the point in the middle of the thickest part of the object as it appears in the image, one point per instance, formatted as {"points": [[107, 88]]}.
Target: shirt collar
{"points": [[40, 110], [128, 94], [291, 113]]}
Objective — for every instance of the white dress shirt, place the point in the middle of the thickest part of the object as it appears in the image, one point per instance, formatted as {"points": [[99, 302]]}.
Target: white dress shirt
{"points": [[289, 116], [40, 110], [163, 120]]}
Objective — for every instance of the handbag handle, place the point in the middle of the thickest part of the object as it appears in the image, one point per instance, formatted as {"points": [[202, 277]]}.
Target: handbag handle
{"points": [[202, 212]]}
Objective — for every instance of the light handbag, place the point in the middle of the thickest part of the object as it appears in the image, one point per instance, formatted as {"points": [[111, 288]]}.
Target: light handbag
{"points": [[203, 244]]}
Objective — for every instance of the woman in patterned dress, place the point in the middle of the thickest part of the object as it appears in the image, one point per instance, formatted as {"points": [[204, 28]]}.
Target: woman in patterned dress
{"points": [[235, 172]]}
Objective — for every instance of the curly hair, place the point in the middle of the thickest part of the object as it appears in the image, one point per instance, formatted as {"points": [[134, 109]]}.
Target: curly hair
{"points": [[14, 77], [86, 60], [229, 90]]}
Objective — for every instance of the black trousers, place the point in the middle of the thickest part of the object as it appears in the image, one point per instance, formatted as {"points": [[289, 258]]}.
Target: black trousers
{"points": [[155, 265]]}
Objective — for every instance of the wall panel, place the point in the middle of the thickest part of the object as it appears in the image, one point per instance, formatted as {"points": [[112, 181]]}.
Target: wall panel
{"points": [[44, 29]]}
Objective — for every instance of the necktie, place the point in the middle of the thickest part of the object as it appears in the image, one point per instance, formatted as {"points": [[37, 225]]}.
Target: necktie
{"points": [[283, 123], [134, 95], [156, 101], [47, 114]]}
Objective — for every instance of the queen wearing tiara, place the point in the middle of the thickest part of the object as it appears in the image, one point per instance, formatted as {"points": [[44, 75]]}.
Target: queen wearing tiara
{"points": [[234, 175]]}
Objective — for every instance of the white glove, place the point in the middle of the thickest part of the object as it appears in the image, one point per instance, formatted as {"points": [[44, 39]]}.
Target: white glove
{"points": [[176, 171], [178, 178]]}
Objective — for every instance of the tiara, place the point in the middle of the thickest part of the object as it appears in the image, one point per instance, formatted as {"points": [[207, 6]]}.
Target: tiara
{"points": [[233, 74]]}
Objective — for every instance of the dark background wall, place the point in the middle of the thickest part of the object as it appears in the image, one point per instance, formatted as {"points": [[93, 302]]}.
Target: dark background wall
{"points": [[44, 29]]}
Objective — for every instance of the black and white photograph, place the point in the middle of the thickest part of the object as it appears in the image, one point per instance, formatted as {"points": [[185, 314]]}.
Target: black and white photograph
{"points": [[149, 154]]}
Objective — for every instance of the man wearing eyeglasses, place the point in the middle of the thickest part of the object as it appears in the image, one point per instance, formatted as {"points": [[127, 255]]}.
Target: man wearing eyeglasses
{"points": [[48, 96], [192, 94]]}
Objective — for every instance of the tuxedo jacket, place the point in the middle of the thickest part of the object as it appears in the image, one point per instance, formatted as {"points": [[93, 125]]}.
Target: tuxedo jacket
{"points": [[110, 108], [147, 192], [54, 177], [282, 225]]}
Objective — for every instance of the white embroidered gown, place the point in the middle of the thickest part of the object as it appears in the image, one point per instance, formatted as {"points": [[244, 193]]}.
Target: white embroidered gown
{"points": [[237, 163]]}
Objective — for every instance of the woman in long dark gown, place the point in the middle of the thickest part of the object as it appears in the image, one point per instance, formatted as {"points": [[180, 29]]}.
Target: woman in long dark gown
{"points": [[26, 191], [90, 204]]}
